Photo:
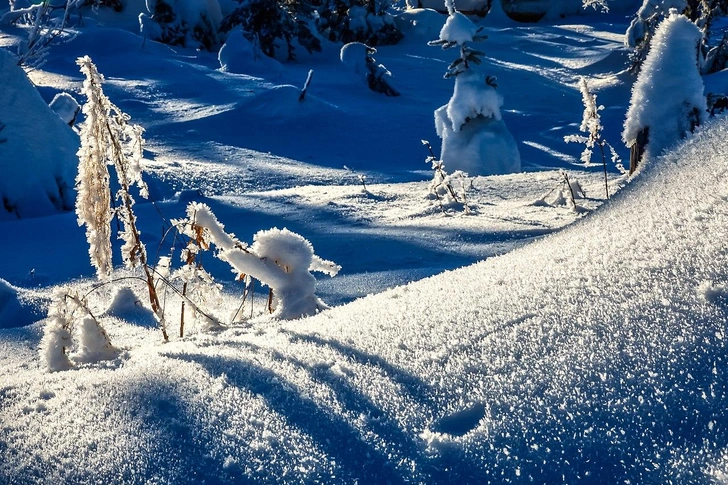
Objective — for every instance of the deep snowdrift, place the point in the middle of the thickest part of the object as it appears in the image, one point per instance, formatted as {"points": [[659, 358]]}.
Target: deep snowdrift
{"points": [[596, 354]]}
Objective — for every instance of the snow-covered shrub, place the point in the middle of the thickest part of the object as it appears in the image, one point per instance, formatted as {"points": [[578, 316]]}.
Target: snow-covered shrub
{"points": [[189, 23], [276, 26], [365, 21], [447, 189], [642, 28], [68, 315], [591, 124], [278, 258], [717, 57], [667, 98], [66, 107], [359, 58], [474, 137], [38, 157], [43, 25], [107, 138], [240, 55]]}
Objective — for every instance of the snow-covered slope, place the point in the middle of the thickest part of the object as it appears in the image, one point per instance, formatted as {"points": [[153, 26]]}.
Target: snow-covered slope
{"points": [[597, 354]]}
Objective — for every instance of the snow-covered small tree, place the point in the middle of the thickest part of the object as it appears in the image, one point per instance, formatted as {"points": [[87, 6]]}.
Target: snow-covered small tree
{"points": [[278, 258], [365, 21], [474, 137], [276, 26], [667, 98], [359, 58], [642, 28], [591, 124], [107, 138]]}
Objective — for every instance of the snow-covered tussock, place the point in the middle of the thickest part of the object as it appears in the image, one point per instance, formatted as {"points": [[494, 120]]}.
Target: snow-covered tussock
{"points": [[68, 316]]}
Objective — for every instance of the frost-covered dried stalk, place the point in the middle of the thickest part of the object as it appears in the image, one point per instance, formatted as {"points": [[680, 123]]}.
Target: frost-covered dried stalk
{"points": [[107, 138], [280, 259], [68, 311], [197, 285], [447, 188], [591, 124]]}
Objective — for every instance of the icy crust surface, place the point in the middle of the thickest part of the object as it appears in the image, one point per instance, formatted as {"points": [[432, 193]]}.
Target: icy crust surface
{"points": [[596, 354]]}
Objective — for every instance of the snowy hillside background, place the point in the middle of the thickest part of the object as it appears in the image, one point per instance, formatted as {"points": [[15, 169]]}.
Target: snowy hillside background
{"points": [[592, 353]]}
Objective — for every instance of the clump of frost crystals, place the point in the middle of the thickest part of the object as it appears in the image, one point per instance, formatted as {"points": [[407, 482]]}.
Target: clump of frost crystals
{"points": [[279, 258]]}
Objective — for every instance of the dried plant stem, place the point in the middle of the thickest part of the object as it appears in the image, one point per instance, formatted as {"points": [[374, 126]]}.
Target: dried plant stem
{"points": [[182, 312], [604, 164]]}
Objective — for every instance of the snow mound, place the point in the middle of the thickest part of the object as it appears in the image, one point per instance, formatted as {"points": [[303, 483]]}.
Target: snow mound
{"points": [[37, 149], [282, 102], [126, 305], [597, 352], [238, 55], [419, 24], [15, 310]]}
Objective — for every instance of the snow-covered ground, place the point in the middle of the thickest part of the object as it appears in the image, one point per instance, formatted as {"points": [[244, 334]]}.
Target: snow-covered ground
{"points": [[595, 354]]}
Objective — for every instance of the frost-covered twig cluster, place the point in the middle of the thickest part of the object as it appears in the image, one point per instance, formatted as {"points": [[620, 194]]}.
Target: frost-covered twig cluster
{"points": [[591, 124], [447, 188], [278, 258]]}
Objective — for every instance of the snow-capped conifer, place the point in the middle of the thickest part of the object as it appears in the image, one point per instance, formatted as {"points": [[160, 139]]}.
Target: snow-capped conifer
{"points": [[276, 26], [183, 22], [278, 258], [474, 137], [667, 98], [642, 28], [365, 21]]}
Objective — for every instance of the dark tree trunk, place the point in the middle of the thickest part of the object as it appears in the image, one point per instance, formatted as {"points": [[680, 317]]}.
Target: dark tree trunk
{"points": [[638, 149]]}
